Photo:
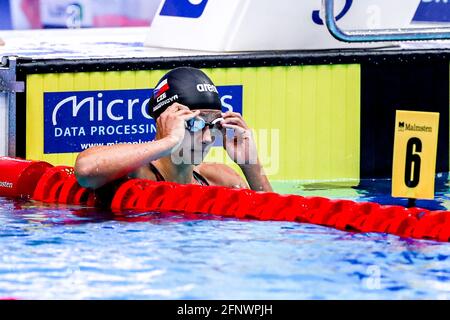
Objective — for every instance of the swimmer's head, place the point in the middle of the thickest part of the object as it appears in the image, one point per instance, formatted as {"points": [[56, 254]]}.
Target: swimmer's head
{"points": [[188, 86]]}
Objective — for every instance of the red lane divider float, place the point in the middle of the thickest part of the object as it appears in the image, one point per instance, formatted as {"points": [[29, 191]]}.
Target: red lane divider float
{"points": [[59, 185], [20, 178]]}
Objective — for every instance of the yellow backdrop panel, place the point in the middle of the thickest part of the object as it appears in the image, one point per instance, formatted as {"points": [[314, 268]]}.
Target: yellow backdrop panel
{"points": [[306, 119]]}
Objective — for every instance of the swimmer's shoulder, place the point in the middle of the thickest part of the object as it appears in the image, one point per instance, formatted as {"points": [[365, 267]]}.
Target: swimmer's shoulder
{"points": [[219, 174]]}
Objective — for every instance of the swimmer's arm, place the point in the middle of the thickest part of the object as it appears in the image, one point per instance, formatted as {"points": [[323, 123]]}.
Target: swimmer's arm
{"points": [[256, 178], [97, 166]]}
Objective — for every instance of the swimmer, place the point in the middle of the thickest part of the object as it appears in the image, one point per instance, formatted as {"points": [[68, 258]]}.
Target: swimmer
{"points": [[189, 117]]}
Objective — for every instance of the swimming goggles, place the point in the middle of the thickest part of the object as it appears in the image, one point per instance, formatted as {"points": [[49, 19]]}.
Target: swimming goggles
{"points": [[197, 124]]}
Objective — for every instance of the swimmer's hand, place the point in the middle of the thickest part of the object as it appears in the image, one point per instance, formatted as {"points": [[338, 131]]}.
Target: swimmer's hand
{"points": [[240, 146], [171, 124]]}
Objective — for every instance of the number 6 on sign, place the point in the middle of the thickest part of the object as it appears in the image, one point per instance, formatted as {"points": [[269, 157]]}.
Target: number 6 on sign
{"points": [[415, 147], [412, 176]]}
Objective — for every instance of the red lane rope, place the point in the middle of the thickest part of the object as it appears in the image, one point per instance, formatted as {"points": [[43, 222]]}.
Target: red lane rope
{"points": [[18, 177], [59, 185], [50, 183], [247, 204]]}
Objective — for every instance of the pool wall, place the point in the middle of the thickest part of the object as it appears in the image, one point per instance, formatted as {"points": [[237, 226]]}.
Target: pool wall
{"points": [[3, 123], [317, 115]]}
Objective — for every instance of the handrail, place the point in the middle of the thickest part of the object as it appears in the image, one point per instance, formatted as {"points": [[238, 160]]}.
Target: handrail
{"points": [[378, 35]]}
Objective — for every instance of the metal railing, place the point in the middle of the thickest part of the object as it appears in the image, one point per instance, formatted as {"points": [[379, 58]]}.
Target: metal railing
{"points": [[378, 35], [10, 86]]}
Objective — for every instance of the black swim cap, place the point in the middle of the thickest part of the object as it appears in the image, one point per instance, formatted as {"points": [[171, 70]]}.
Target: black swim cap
{"points": [[188, 86]]}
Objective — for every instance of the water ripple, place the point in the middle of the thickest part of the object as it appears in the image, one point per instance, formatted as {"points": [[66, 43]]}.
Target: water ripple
{"points": [[49, 252]]}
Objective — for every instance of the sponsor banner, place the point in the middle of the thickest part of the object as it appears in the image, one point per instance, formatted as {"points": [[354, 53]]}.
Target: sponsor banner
{"points": [[66, 14], [294, 112], [433, 11], [183, 8], [5, 15], [38, 14], [75, 121], [265, 25]]}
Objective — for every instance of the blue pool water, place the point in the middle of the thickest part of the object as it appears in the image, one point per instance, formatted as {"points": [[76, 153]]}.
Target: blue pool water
{"points": [[57, 252]]}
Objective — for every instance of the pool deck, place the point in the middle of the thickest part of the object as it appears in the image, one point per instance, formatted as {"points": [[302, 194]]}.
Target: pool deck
{"points": [[85, 44], [127, 43]]}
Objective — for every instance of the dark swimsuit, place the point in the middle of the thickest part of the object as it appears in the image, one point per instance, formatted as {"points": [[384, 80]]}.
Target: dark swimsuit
{"points": [[197, 176], [105, 194]]}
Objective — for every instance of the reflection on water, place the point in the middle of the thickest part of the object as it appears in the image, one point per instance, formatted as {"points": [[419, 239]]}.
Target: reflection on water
{"points": [[68, 252], [378, 190]]}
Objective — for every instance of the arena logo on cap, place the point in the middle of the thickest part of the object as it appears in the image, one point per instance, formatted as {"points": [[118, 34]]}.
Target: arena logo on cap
{"points": [[75, 121], [183, 8], [204, 87]]}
